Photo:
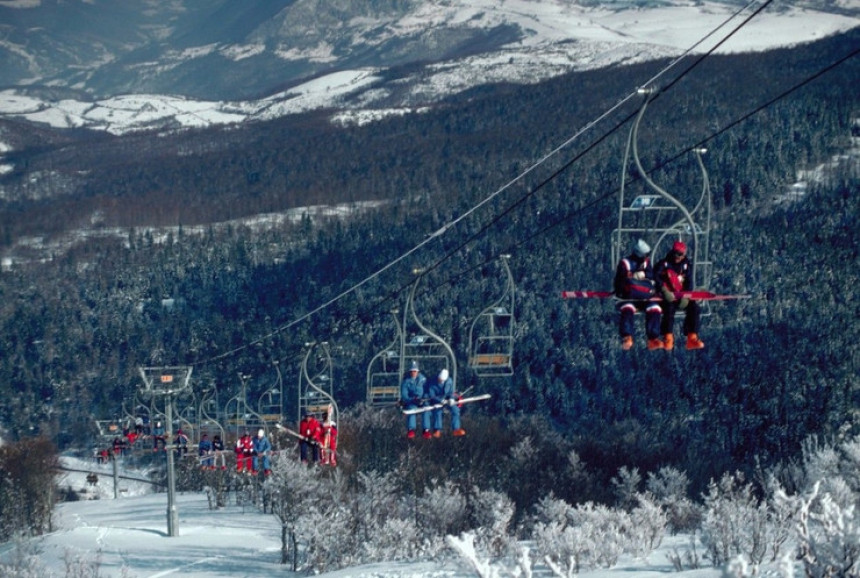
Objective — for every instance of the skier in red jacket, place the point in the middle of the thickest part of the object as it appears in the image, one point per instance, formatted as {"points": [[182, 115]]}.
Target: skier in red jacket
{"points": [[311, 432], [328, 454], [244, 452]]}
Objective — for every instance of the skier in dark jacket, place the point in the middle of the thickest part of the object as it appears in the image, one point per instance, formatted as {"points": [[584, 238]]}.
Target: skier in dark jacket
{"points": [[204, 452], [412, 395], [634, 284], [218, 450], [675, 273]]}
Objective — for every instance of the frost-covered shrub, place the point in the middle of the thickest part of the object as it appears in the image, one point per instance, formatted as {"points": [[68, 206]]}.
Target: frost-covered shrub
{"points": [[626, 486], [396, 539], [669, 487], [325, 531], [828, 536], [735, 521], [590, 536], [490, 516], [647, 527], [442, 510]]}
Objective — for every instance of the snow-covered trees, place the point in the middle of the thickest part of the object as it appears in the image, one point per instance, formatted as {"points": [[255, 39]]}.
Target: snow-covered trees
{"points": [[571, 539]]}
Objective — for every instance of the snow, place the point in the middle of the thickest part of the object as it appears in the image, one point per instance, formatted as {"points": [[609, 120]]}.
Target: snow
{"points": [[560, 37], [128, 536]]}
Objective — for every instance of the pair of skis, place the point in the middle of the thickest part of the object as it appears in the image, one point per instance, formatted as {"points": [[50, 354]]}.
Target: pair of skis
{"points": [[440, 405], [692, 295]]}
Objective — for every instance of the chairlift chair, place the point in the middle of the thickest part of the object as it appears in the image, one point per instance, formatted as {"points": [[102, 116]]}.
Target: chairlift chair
{"points": [[491, 335]]}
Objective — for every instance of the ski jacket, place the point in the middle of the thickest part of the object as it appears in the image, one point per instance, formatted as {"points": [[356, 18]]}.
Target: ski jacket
{"points": [[439, 391], [683, 269], [244, 446], [626, 285], [262, 445], [217, 444], [310, 428], [412, 389], [204, 447]]}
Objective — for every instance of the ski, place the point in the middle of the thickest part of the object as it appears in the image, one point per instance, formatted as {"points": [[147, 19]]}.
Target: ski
{"points": [[441, 405], [296, 434], [694, 295]]}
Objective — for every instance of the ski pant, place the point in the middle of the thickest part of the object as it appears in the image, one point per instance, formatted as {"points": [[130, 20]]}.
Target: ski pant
{"points": [[455, 417], [411, 420], [266, 463], [244, 462], [691, 320], [652, 317], [303, 451]]}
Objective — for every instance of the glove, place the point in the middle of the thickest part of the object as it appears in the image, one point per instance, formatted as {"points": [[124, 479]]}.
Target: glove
{"points": [[682, 304], [668, 296], [639, 275]]}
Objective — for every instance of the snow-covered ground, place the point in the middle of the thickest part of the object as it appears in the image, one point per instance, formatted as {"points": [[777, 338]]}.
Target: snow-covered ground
{"points": [[128, 537]]}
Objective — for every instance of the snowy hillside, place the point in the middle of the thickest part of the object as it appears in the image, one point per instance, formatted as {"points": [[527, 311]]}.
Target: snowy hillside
{"points": [[553, 38]]}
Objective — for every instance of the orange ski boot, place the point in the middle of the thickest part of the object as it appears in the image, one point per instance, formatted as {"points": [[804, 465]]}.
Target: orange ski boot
{"points": [[654, 344], [626, 342], [693, 342], [669, 341]]}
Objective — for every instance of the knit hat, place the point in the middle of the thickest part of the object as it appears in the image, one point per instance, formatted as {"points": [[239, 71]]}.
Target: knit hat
{"points": [[641, 248], [443, 375]]}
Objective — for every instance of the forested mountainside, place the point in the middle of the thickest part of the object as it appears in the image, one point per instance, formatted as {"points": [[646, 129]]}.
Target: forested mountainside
{"points": [[79, 319]]}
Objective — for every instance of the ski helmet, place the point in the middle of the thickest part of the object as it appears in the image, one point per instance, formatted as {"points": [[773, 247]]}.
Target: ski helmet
{"points": [[679, 248], [443, 375]]}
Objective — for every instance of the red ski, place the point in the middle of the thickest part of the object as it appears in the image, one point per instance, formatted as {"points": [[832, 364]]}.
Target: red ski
{"points": [[694, 295]]}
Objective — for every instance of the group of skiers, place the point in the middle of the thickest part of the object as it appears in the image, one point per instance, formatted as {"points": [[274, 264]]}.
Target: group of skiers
{"points": [[416, 392], [637, 282], [318, 440]]}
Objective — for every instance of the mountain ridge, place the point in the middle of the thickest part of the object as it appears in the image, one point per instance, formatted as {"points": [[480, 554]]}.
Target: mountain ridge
{"points": [[210, 52]]}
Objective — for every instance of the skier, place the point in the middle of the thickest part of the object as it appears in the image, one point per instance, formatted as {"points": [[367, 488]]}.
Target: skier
{"points": [[262, 448], [158, 437], [204, 448], [311, 432], [329, 441], [244, 452], [181, 443], [634, 284], [412, 395], [675, 273], [218, 450], [442, 391]]}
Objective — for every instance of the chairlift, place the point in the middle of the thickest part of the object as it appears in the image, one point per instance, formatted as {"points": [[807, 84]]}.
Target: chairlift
{"points": [[425, 347], [270, 405], [316, 382], [385, 371], [491, 335], [660, 217]]}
